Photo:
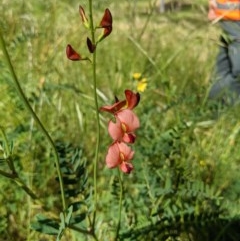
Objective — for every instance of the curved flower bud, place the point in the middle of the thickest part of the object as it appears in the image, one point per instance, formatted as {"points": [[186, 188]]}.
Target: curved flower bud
{"points": [[91, 46], [83, 17], [72, 54], [106, 23], [106, 20]]}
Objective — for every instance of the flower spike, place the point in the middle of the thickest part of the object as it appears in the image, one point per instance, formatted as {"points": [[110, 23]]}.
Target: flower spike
{"points": [[122, 131]]}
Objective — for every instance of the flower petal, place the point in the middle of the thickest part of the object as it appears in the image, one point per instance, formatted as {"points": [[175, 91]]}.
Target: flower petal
{"points": [[106, 20], [83, 17], [132, 99], [114, 108], [126, 151], [142, 85], [106, 23], [129, 137], [113, 156], [72, 54], [115, 130], [137, 76], [129, 119], [126, 167]]}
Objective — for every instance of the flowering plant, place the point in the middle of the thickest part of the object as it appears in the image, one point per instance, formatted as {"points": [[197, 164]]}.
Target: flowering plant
{"points": [[124, 123], [121, 129]]}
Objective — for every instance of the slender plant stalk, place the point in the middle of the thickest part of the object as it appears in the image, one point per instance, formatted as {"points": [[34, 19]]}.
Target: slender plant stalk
{"points": [[14, 175], [8, 175], [8, 152], [37, 120], [120, 204], [20, 183], [97, 112]]}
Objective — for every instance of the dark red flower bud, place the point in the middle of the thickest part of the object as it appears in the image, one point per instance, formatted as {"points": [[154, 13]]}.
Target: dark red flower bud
{"points": [[91, 46], [107, 19], [106, 23], [72, 54], [107, 31]]}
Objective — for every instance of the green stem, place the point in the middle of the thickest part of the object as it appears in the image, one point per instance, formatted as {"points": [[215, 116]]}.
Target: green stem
{"points": [[37, 120], [20, 183], [97, 112], [120, 205], [8, 175], [8, 152], [14, 175]]}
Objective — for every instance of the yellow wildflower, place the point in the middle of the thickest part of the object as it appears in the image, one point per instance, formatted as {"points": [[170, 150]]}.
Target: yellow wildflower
{"points": [[137, 76], [142, 85], [141, 82]]}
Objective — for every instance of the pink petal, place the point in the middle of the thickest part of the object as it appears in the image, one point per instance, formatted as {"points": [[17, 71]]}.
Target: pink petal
{"points": [[127, 153], [129, 119], [115, 130], [113, 156], [126, 150], [132, 99]]}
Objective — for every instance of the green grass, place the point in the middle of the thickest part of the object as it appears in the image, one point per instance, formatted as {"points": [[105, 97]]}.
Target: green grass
{"points": [[176, 53]]}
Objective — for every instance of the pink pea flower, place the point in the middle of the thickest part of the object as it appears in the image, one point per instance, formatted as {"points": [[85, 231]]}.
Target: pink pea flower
{"points": [[120, 155], [123, 129]]}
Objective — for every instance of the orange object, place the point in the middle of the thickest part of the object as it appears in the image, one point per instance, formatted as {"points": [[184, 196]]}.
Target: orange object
{"points": [[227, 9]]}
